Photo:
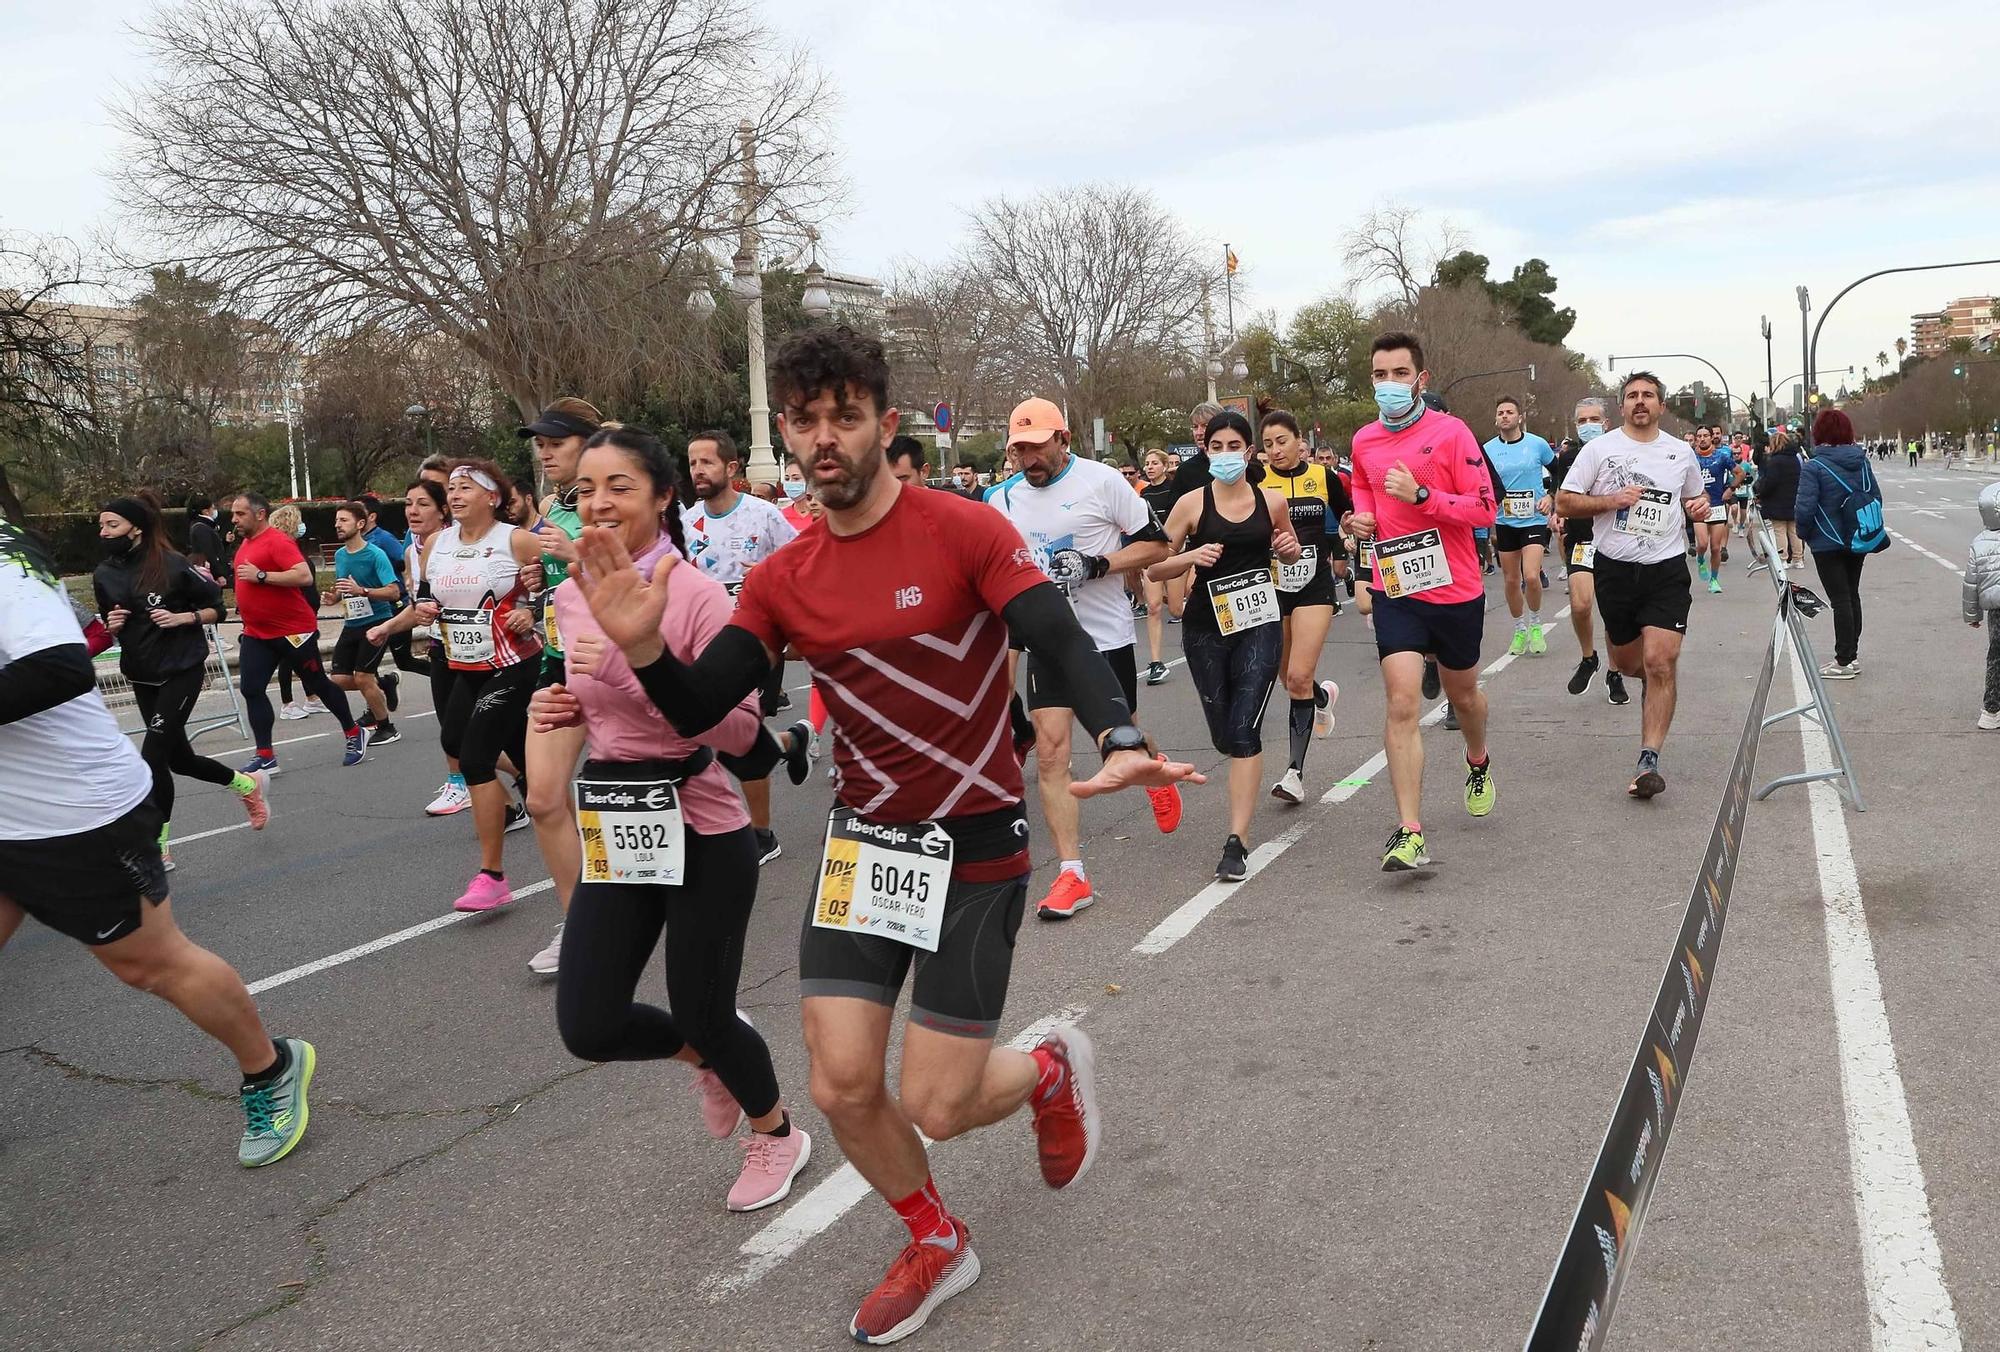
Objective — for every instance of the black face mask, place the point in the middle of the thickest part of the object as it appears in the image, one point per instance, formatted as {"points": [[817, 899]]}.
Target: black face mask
{"points": [[117, 547]]}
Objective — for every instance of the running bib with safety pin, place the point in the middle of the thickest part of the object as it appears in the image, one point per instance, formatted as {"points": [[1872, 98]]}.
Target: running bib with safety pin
{"points": [[468, 636], [631, 831], [1298, 576], [553, 636], [1651, 517], [1244, 601], [358, 607], [886, 880], [1583, 555], [1413, 563], [1518, 505]]}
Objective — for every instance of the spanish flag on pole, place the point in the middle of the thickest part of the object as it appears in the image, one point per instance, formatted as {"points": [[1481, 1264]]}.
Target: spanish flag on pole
{"points": [[1229, 260]]}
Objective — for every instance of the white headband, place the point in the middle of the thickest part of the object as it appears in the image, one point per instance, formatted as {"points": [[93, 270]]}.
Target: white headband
{"points": [[480, 477]]}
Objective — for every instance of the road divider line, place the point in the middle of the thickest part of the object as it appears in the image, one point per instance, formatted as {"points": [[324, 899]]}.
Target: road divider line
{"points": [[836, 1194], [1902, 1267], [1938, 559], [291, 974]]}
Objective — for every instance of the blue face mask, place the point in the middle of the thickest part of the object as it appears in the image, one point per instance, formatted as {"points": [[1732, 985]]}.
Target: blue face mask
{"points": [[795, 489], [1589, 432], [1226, 466], [1394, 399]]}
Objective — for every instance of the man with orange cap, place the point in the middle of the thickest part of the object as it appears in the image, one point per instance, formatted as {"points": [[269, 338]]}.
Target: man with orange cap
{"points": [[1085, 527]]}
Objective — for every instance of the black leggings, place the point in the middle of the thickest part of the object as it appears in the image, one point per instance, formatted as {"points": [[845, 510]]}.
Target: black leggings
{"points": [[610, 933], [166, 707], [257, 658], [1840, 575], [484, 715]]}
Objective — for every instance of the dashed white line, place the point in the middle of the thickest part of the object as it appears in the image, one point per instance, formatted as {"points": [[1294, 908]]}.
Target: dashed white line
{"points": [[291, 974], [1938, 559], [1901, 1266]]}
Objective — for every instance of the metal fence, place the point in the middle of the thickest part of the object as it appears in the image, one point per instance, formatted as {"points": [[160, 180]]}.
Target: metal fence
{"points": [[219, 705]]}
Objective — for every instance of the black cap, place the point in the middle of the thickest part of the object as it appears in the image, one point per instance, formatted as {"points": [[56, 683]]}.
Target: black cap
{"points": [[554, 422]]}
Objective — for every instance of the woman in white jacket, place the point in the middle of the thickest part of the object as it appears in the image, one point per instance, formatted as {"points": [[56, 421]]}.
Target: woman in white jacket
{"points": [[1982, 598]]}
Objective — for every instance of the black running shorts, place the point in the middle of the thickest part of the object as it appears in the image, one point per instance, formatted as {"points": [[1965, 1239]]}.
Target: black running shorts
{"points": [[1636, 596], [353, 652], [93, 885], [1513, 539]]}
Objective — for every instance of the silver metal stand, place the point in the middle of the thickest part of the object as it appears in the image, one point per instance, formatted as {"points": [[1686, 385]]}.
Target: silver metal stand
{"points": [[218, 665], [1790, 626]]}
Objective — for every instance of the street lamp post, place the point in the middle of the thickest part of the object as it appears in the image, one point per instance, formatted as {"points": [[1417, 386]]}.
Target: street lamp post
{"points": [[1445, 393], [1685, 356], [1770, 386], [1812, 342], [422, 417], [763, 466]]}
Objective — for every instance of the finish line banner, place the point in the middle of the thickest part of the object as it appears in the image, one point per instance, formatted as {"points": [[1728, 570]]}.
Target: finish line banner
{"points": [[1576, 1308]]}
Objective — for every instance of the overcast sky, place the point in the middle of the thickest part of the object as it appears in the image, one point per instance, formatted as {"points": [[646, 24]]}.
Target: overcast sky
{"points": [[1681, 167]]}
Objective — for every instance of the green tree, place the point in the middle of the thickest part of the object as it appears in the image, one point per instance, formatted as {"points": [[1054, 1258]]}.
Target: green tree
{"points": [[1524, 297]]}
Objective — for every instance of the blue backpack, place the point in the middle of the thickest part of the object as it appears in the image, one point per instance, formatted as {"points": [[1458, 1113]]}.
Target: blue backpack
{"points": [[1860, 513]]}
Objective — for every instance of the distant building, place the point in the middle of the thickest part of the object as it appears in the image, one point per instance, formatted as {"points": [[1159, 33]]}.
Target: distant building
{"points": [[102, 337], [1969, 317], [858, 299]]}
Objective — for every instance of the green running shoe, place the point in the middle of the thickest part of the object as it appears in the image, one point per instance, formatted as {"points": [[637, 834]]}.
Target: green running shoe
{"points": [[1405, 851], [1538, 643], [275, 1114], [1520, 643], [1479, 792]]}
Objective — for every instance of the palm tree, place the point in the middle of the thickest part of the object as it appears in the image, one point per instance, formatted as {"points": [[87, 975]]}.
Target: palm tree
{"points": [[1882, 360], [1902, 346]]}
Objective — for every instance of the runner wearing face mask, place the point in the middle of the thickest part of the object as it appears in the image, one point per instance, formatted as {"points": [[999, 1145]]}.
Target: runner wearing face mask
{"points": [[1579, 546], [1226, 535]]}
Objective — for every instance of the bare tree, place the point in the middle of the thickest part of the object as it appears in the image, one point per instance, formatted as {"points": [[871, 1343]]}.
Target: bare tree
{"points": [[47, 399], [1103, 277], [954, 337], [540, 181], [1392, 246]]}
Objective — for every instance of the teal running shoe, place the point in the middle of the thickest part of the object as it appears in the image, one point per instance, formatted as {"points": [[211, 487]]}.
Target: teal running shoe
{"points": [[274, 1114]]}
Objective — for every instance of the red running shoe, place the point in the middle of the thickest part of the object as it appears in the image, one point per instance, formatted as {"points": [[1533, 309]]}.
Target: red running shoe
{"points": [[1067, 1127], [1166, 803], [923, 1277], [1067, 895]]}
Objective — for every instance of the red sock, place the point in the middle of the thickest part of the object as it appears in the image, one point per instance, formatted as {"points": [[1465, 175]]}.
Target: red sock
{"points": [[816, 711], [923, 1211], [264, 751]]}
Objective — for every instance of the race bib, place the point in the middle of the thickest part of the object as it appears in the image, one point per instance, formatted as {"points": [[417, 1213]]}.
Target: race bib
{"points": [[1583, 555], [300, 640], [1298, 576], [1413, 563], [1245, 601], [631, 831], [357, 607], [886, 880], [1651, 517], [1365, 555], [551, 635], [735, 589], [1519, 506], [468, 636]]}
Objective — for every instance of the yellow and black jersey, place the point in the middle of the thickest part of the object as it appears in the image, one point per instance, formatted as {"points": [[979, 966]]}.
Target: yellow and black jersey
{"points": [[1316, 498]]}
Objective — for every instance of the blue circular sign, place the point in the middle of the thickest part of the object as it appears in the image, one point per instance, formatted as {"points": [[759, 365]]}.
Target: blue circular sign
{"points": [[941, 415]]}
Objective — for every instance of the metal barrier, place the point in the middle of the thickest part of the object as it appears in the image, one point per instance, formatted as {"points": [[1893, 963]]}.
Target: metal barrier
{"points": [[1795, 601], [118, 695]]}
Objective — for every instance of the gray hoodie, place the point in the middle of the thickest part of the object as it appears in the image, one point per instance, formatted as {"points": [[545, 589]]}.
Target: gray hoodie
{"points": [[1982, 568]]}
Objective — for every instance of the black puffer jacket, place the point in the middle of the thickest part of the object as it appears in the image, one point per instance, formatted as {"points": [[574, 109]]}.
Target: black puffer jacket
{"points": [[1778, 484], [147, 653]]}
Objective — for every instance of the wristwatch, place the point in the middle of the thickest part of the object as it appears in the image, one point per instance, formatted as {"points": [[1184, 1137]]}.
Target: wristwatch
{"points": [[1423, 495], [1123, 738], [260, 574]]}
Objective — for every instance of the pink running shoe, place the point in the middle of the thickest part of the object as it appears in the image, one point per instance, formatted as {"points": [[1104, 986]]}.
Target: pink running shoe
{"points": [[770, 1163], [720, 1111], [255, 803], [484, 893]]}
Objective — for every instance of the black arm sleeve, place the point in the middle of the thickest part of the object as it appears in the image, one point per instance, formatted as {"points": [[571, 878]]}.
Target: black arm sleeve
{"points": [[44, 679], [697, 697], [1041, 619]]}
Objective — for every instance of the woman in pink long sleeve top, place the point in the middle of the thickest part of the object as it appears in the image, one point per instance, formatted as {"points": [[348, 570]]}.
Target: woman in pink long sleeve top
{"points": [[666, 841]]}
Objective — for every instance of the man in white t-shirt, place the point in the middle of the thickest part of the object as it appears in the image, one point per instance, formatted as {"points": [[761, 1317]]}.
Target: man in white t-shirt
{"points": [[1085, 527], [80, 846], [1642, 487], [728, 534]]}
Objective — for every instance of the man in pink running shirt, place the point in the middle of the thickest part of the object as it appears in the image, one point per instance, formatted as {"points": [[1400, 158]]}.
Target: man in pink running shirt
{"points": [[1421, 485]]}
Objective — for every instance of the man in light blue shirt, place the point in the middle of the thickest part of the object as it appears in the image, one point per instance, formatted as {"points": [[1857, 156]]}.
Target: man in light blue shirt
{"points": [[1521, 532]]}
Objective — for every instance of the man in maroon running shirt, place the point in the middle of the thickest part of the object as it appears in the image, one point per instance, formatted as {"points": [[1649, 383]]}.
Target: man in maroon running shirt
{"points": [[926, 860]]}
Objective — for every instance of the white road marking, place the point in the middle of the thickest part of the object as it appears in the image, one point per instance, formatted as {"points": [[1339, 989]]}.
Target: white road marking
{"points": [[309, 737], [179, 841], [1938, 559], [1901, 1266], [836, 1194], [291, 974]]}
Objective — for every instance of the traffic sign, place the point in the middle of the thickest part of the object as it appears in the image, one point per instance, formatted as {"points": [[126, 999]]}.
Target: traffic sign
{"points": [[941, 415]]}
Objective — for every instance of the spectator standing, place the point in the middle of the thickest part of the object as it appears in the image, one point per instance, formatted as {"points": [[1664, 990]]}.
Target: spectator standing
{"points": [[1839, 510]]}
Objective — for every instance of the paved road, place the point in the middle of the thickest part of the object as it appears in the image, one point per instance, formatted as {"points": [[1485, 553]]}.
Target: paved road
{"points": [[1345, 1110]]}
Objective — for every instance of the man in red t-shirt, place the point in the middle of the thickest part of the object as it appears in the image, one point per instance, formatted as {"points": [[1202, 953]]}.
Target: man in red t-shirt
{"points": [[901, 603], [280, 629]]}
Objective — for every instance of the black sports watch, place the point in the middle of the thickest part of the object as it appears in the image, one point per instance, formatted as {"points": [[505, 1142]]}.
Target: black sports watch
{"points": [[260, 574], [1423, 495], [1126, 737]]}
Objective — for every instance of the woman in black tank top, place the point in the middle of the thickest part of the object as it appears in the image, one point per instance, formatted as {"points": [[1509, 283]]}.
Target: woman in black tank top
{"points": [[1225, 535], [1162, 598]]}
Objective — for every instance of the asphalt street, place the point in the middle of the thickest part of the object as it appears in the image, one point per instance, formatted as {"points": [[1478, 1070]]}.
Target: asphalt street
{"points": [[1343, 1109]]}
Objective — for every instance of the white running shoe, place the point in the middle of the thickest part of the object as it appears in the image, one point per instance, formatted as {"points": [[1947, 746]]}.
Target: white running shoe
{"points": [[312, 705], [1323, 715], [549, 961], [1291, 788], [450, 798], [292, 713], [1989, 722]]}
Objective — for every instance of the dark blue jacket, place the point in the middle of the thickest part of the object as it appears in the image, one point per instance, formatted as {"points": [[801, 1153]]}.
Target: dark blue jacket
{"points": [[1824, 511]]}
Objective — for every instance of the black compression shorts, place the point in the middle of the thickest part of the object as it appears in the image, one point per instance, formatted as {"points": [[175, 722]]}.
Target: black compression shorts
{"points": [[1046, 689]]}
